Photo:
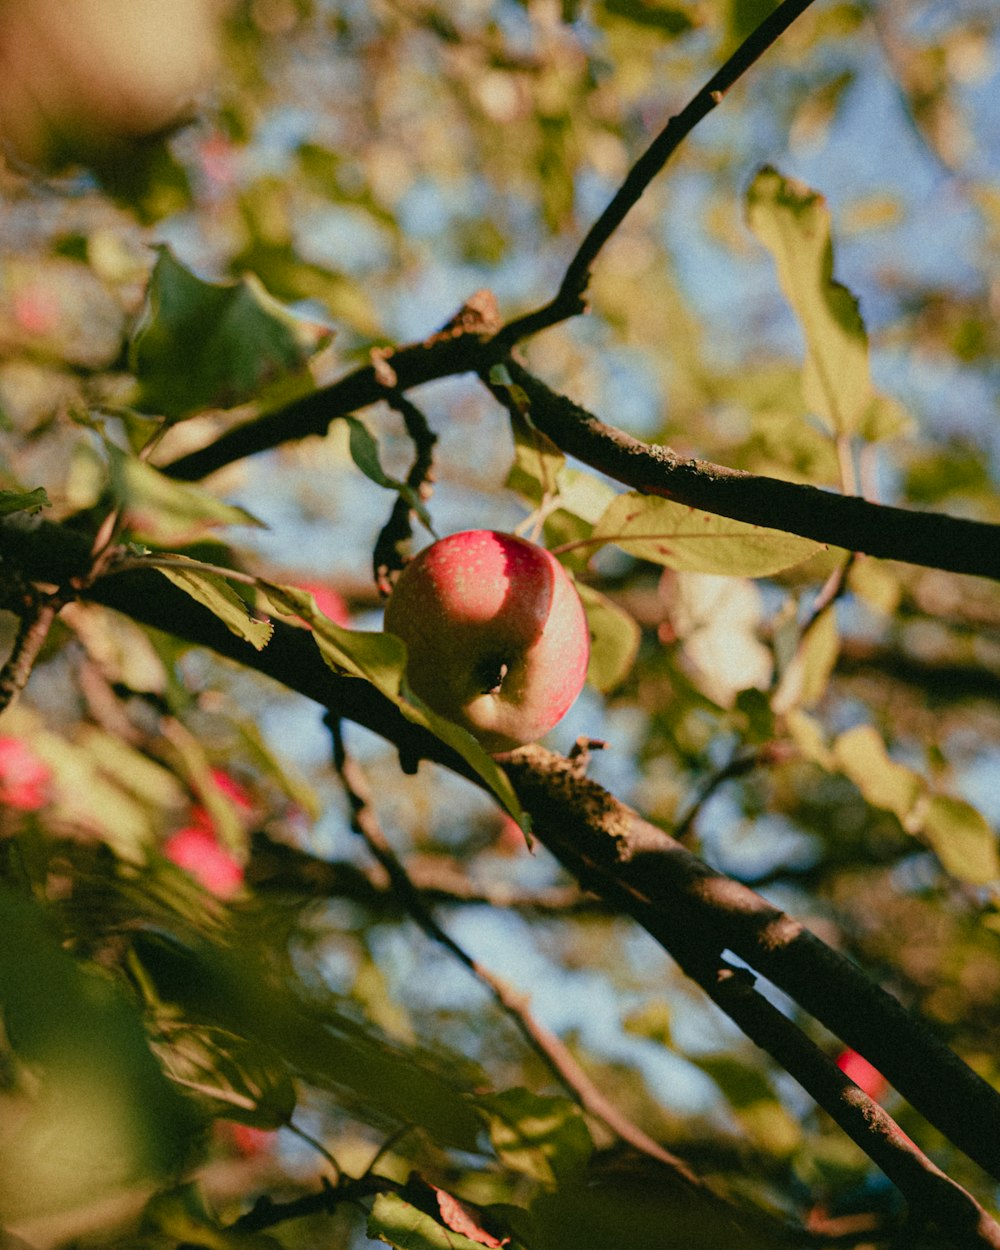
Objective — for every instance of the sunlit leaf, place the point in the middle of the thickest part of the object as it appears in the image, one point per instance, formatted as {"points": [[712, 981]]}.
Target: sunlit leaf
{"points": [[213, 592], [365, 454], [679, 537], [862, 754], [962, 840], [400, 1224], [614, 639], [167, 512], [537, 460], [804, 682], [793, 222], [201, 344]]}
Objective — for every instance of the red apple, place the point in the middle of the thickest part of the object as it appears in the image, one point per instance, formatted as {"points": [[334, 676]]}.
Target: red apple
{"points": [[496, 634]]}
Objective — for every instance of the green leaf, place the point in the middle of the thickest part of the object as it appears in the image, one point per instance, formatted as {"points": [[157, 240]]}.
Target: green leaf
{"points": [[538, 462], [405, 1226], [614, 639], [183, 1215], [861, 754], [201, 344], [667, 19], [214, 593], [249, 1081], [364, 453], [160, 510], [23, 501], [541, 1137], [98, 1112], [805, 680], [238, 991], [380, 659], [793, 223], [683, 538], [962, 840]]}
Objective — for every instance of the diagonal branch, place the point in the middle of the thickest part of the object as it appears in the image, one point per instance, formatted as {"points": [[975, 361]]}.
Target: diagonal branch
{"points": [[568, 301], [934, 540], [552, 1051]]}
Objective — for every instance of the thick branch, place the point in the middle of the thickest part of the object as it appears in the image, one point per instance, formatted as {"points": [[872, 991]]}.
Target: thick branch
{"points": [[697, 914], [931, 539]]}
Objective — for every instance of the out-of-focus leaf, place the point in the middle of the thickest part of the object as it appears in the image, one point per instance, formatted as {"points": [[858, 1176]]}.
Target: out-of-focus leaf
{"points": [[651, 1021], [30, 501], [805, 680], [544, 1138], [88, 798], [201, 344], [131, 769], [118, 646], [214, 593], [614, 639], [717, 619], [793, 223], [166, 512], [962, 840], [380, 658], [862, 754], [378, 1080], [400, 1224], [98, 1113], [183, 1216], [679, 537], [667, 19], [744, 16], [250, 1081], [537, 460], [807, 734], [364, 453]]}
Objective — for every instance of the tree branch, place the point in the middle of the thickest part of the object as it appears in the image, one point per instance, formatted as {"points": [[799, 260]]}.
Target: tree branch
{"points": [[568, 301], [935, 540]]}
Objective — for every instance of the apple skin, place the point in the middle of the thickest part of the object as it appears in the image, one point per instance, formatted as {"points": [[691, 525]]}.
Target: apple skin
{"points": [[497, 636]]}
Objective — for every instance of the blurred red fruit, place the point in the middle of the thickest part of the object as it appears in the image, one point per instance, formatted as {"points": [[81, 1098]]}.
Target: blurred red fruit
{"points": [[24, 778], [196, 849], [245, 1139], [329, 602]]}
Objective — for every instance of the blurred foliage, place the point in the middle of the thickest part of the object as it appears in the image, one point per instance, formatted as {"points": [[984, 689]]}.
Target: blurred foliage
{"points": [[810, 291]]}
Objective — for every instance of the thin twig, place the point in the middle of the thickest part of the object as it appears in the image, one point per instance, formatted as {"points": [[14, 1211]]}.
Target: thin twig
{"points": [[390, 547], [555, 1054], [568, 301], [32, 632]]}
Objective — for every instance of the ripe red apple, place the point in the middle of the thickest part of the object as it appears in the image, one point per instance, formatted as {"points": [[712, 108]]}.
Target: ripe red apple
{"points": [[496, 634]]}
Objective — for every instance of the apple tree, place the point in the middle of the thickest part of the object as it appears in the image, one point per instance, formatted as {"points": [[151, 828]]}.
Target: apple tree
{"points": [[699, 297]]}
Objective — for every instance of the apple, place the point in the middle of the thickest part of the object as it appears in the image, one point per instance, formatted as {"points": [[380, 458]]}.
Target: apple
{"points": [[496, 635]]}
